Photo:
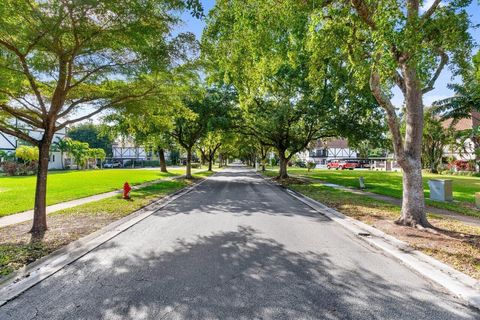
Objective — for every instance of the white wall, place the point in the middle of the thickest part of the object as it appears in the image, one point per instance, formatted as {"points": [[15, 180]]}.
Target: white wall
{"points": [[9, 143]]}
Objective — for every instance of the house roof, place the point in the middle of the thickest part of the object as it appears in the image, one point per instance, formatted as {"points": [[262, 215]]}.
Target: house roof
{"points": [[464, 124], [332, 143]]}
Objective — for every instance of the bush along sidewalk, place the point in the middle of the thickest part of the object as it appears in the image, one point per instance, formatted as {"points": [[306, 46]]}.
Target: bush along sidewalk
{"points": [[17, 248]]}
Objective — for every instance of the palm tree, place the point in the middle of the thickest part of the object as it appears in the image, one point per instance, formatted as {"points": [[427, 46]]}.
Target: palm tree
{"points": [[464, 104], [62, 145]]}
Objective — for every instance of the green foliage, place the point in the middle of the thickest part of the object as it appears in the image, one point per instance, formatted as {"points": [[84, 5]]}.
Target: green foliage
{"points": [[476, 62], [93, 134], [27, 153], [80, 152], [260, 47], [208, 109], [311, 165], [435, 139]]}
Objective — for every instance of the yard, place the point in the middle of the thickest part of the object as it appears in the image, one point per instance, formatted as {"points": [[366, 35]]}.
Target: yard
{"points": [[390, 184], [65, 226], [17, 193]]}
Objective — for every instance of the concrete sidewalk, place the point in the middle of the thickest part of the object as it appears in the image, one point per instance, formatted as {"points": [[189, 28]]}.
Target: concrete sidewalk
{"points": [[28, 215]]}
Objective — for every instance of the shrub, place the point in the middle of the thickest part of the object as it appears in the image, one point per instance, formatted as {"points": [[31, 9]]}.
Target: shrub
{"points": [[10, 168], [196, 165], [273, 162], [461, 165], [311, 165]]}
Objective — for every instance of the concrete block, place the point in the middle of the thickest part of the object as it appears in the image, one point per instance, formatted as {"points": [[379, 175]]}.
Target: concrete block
{"points": [[440, 189]]}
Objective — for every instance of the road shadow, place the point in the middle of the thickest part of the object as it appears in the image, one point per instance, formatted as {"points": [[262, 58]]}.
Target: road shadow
{"points": [[226, 275]]}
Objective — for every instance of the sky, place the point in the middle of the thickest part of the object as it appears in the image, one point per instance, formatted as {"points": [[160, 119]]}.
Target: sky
{"points": [[440, 92]]}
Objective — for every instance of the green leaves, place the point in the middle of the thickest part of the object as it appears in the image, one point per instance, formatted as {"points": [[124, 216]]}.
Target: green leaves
{"points": [[27, 153]]}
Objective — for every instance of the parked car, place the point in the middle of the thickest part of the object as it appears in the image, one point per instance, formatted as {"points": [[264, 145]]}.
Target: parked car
{"points": [[115, 164], [343, 164]]}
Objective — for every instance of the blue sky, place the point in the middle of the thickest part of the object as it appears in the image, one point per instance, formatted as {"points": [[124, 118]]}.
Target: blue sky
{"points": [[441, 91]]}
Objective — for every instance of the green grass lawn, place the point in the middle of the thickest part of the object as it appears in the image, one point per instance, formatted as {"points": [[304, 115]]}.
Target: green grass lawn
{"points": [[390, 184], [17, 193]]}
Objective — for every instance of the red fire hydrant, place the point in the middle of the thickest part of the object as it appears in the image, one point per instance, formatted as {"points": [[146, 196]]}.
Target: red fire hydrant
{"points": [[126, 191]]}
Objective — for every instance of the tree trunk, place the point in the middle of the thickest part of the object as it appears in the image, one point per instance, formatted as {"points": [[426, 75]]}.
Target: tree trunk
{"points": [[40, 209], [210, 163], [264, 160], [220, 160], [413, 201], [188, 174], [408, 151], [163, 163], [282, 174]]}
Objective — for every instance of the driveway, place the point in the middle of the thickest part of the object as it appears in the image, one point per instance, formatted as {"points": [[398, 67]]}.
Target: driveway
{"points": [[236, 248]]}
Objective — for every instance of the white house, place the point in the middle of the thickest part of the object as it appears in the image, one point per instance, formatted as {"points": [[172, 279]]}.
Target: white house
{"points": [[468, 150], [328, 149], [9, 143]]}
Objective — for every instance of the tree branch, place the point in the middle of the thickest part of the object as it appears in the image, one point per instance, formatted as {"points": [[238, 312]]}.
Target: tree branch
{"points": [[26, 72], [364, 13], [22, 116], [100, 109], [392, 119], [443, 62], [431, 10], [5, 128]]}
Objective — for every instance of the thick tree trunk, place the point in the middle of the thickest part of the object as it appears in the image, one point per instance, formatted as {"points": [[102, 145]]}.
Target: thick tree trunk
{"points": [[210, 164], [408, 151], [163, 163], [282, 174], [188, 173], [413, 201], [40, 209]]}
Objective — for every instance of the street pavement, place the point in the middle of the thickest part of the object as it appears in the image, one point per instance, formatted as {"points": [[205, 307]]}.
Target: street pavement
{"points": [[236, 248]]}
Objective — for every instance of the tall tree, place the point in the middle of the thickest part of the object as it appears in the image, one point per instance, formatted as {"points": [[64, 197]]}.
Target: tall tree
{"points": [[260, 47], [396, 43], [59, 56], [208, 109], [209, 146], [93, 134]]}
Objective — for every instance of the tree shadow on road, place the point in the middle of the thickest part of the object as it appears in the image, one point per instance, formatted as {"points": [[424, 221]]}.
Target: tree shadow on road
{"points": [[227, 275]]}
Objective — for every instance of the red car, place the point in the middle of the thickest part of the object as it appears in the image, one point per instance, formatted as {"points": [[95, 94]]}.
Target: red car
{"points": [[343, 164]]}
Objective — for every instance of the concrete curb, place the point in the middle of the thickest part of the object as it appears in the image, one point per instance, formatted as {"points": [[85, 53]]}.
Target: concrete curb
{"points": [[456, 282], [30, 275]]}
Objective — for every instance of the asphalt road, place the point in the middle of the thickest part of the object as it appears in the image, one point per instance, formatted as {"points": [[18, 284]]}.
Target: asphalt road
{"points": [[236, 248]]}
